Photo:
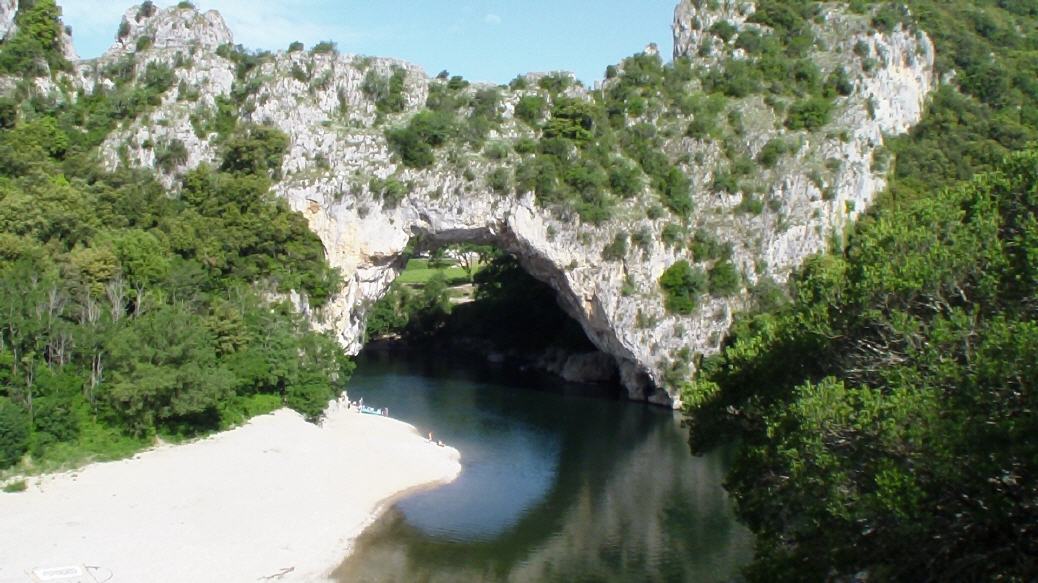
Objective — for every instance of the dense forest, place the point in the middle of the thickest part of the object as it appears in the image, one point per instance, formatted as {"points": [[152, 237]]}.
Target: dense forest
{"points": [[131, 311], [887, 412]]}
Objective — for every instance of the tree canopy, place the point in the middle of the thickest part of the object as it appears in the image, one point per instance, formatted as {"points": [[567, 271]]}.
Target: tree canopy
{"points": [[128, 312], [887, 413]]}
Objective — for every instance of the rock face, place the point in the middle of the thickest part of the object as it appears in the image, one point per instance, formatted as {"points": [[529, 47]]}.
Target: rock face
{"points": [[692, 38], [339, 156], [170, 30], [593, 367], [8, 10]]}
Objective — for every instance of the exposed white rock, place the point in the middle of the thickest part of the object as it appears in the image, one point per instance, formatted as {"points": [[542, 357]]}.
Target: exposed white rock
{"points": [[692, 36], [8, 10], [171, 28], [336, 150]]}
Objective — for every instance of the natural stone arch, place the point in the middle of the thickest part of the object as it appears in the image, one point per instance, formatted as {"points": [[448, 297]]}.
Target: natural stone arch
{"points": [[374, 244], [338, 146]]}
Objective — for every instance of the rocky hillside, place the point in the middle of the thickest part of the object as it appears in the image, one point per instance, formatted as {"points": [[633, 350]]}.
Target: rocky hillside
{"points": [[657, 204]]}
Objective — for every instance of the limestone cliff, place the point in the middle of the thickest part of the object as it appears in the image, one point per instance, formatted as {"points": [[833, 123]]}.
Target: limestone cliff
{"points": [[339, 155], [8, 10]]}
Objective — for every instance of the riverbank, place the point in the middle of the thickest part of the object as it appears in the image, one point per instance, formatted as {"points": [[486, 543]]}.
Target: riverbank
{"points": [[276, 499]]}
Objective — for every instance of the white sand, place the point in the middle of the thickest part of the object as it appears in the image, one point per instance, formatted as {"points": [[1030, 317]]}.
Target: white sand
{"points": [[278, 495]]}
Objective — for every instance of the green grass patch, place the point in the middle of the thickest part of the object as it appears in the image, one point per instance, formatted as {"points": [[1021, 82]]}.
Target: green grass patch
{"points": [[418, 273], [96, 443], [16, 486], [242, 409]]}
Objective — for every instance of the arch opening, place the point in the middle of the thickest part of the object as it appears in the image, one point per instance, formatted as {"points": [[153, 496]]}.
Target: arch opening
{"points": [[465, 292]]}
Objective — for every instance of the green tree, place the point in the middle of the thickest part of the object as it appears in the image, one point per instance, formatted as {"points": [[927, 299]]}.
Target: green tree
{"points": [[256, 150], [165, 371], [725, 279], [35, 47], [14, 433], [415, 142], [682, 285], [883, 412]]}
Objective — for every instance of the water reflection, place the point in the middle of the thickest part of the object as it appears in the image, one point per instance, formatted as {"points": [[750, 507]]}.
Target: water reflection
{"points": [[554, 487]]}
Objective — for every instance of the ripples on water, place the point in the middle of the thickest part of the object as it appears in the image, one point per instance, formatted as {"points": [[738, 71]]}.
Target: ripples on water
{"points": [[555, 486]]}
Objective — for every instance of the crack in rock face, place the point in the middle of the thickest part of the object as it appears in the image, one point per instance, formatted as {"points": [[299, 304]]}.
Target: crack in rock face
{"points": [[339, 158]]}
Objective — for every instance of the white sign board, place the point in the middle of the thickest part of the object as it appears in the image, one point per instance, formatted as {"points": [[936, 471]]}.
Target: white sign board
{"points": [[69, 574]]}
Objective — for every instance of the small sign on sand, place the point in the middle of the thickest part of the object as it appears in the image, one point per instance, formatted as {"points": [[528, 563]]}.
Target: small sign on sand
{"points": [[68, 574]]}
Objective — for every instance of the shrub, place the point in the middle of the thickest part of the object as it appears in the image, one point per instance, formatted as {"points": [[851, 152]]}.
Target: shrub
{"points": [[571, 119], [682, 285], [390, 190], [295, 47], [496, 151], [415, 141], [724, 30], [772, 152], [701, 127], [725, 279], [54, 420], [725, 181], [16, 486], [862, 49], [525, 146], [705, 247], [387, 93], [616, 250], [500, 181], [555, 82], [750, 204], [256, 150], [755, 43], [672, 234], [838, 83], [324, 47], [157, 80], [37, 39], [530, 109], [14, 433], [809, 114], [625, 179], [675, 189], [738, 79], [147, 10], [457, 83], [486, 104], [171, 155]]}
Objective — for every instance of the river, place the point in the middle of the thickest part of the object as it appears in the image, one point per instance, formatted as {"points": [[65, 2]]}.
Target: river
{"points": [[557, 485]]}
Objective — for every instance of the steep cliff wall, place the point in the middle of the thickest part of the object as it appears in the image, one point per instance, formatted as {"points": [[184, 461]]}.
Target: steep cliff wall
{"points": [[339, 155], [8, 10]]}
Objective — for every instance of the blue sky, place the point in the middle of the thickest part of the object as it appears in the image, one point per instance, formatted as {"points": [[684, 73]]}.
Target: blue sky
{"points": [[483, 40]]}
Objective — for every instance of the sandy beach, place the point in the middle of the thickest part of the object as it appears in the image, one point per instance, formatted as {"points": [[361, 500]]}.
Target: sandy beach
{"points": [[278, 499]]}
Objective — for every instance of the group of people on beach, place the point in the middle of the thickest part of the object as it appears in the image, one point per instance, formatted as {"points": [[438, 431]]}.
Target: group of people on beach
{"points": [[438, 442], [359, 406]]}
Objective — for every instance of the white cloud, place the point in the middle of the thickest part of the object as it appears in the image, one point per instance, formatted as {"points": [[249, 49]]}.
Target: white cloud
{"points": [[273, 24], [492, 19], [266, 24]]}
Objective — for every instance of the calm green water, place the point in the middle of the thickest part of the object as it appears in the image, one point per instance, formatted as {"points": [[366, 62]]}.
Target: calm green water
{"points": [[555, 486]]}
